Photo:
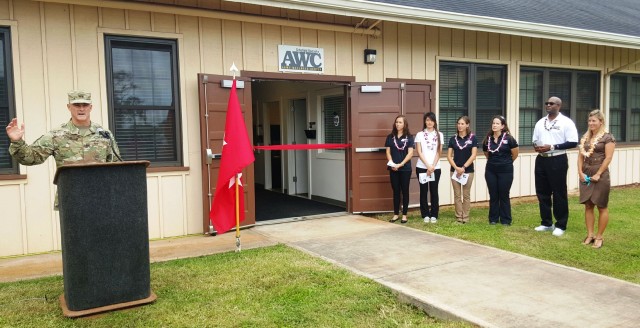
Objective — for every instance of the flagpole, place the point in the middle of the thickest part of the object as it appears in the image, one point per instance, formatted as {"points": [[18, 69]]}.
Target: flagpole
{"points": [[233, 70], [238, 246], [237, 153]]}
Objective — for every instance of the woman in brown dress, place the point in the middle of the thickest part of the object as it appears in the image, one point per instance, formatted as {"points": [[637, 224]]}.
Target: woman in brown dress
{"points": [[594, 156]]}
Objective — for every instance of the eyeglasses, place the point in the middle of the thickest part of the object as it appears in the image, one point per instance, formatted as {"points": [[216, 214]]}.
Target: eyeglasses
{"points": [[550, 103]]}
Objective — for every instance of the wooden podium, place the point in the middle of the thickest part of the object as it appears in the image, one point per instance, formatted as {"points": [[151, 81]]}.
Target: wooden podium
{"points": [[105, 237]]}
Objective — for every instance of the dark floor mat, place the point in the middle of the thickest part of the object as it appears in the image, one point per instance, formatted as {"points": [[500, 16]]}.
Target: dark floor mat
{"points": [[272, 205]]}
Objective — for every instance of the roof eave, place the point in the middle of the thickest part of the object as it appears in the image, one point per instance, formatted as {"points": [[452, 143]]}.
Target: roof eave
{"points": [[410, 15]]}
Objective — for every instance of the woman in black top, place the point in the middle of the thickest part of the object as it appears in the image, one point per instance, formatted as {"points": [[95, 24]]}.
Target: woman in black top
{"points": [[399, 146], [501, 149], [463, 148]]}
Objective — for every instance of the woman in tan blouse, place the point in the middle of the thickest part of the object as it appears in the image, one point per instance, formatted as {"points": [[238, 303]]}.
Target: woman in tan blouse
{"points": [[594, 156]]}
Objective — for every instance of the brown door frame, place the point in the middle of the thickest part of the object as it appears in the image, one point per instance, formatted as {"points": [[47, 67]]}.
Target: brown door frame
{"points": [[247, 76], [343, 79]]}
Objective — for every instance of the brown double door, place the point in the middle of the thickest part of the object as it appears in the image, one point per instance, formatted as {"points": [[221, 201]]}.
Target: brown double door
{"points": [[372, 111], [374, 107]]}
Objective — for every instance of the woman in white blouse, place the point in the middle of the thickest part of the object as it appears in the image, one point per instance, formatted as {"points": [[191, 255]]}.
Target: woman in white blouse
{"points": [[429, 146]]}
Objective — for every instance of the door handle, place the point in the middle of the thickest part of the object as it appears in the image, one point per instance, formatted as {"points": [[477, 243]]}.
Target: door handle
{"points": [[371, 150], [211, 156]]}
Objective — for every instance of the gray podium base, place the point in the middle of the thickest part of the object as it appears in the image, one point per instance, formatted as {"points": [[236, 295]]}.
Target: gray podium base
{"points": [[113, 307]]}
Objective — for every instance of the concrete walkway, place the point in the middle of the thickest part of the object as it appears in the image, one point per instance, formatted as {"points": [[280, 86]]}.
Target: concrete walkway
{"points": [[448, 278]]}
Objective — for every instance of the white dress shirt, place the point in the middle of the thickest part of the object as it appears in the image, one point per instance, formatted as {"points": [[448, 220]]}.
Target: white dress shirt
{"points": [[555, 132]]}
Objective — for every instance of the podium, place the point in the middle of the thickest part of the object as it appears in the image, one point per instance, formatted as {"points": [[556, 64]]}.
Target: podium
{"points": [[105, 236]]}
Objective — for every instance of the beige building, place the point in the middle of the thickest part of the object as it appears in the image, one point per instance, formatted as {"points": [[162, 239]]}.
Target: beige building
{"points": [[158, 72]]}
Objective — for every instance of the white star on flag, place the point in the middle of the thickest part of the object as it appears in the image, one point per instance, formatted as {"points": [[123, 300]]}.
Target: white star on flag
{"points": [[232, 181]]}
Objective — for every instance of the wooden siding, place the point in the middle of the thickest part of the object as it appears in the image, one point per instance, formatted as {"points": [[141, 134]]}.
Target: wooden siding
{"points": [[59, 47]]}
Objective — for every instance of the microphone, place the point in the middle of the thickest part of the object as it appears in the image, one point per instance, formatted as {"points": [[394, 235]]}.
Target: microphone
{"points": [[107, 135], [103, 133]]}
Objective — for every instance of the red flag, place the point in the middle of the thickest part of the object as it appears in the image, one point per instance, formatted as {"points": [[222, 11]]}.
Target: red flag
{"points": [[237, 153]]}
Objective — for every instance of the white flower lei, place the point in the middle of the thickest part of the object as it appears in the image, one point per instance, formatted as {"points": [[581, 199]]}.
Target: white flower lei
{"points": [[467, 143], [593, 143], [504, 134]]}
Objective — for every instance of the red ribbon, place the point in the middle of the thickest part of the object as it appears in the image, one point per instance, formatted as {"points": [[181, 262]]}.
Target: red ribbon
{"points": [[302, 147]]}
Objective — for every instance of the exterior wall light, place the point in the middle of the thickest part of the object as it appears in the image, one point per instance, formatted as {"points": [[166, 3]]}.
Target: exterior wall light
{"points": [[369, 56]]}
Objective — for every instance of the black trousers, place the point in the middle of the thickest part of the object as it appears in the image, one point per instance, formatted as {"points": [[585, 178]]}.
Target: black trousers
{"points": [[400, 184], [499, 180], [432, 188], [551, 184]]}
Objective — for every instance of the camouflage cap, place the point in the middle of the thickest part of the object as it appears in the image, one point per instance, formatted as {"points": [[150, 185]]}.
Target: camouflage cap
{"points": [[79, 97]]}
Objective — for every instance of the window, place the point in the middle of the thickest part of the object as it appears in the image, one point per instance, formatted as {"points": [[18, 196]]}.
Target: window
{"points": [[579, 91], [476, 90], [333, 120], [144, 112], [624, 107], [530, 103], [7, 109]]}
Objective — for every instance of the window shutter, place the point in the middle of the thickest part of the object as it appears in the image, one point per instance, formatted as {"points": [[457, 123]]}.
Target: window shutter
{"points": [[560, 86], [7, 164], [635, 109], [454, 97], [5, 158], [489, 94], [145, 134], [530, 103], [586, 99], [618, 107]]}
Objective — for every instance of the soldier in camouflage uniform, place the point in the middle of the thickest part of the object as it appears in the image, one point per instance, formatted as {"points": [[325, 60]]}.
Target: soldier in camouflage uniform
{"points": [[77, 141]]}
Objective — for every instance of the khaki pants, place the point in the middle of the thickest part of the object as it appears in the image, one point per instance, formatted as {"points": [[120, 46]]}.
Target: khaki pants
{"points": [[462, 205]]}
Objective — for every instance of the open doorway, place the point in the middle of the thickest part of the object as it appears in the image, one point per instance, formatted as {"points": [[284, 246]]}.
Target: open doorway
{"points": [[290, 184], [360, 170]]}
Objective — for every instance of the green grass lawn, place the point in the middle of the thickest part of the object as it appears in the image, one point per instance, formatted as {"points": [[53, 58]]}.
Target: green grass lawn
{"points": [[269, 287], [618, 258], [282, 287]]}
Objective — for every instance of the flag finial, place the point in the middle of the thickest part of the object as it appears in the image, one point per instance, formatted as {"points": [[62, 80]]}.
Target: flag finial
{"points": [[234, 70]]}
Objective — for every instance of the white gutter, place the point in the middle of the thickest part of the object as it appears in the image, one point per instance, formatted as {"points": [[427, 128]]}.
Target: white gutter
{"points": [[410, 15], [209, 13]]}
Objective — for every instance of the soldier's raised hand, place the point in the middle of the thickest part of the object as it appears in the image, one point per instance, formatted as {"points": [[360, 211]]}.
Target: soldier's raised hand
{"points": [[14, 131]]}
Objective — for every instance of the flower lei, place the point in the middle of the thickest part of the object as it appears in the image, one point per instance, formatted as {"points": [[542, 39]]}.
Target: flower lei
{"points": [[504, 134], [431, 142], [552, 125], [455, 137], [396, 143], [592, 144]]}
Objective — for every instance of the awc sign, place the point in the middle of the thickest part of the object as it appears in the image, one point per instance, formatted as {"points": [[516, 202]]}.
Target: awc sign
{"points": [[300, 59]]}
